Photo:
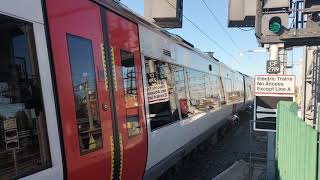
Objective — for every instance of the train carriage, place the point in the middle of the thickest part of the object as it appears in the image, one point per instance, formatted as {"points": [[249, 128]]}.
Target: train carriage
{"points": [[90, 90], [200, 94]]}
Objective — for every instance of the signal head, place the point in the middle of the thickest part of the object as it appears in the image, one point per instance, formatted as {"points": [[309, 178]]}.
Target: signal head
{"points": [[275, 25]]}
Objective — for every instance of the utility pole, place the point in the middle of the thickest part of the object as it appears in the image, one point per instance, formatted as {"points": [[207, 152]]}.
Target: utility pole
{"points": [[310, 93], [273, 56], [279, 25]]}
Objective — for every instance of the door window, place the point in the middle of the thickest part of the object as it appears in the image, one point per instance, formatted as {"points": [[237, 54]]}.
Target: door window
{"points": [[130, 92], [85, 93]]}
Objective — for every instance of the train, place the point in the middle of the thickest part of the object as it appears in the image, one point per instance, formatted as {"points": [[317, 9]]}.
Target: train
{"points": [[91, 90]]}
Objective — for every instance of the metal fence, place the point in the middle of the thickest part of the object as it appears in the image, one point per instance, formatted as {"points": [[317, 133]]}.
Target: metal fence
{"points": [[296, 146]]}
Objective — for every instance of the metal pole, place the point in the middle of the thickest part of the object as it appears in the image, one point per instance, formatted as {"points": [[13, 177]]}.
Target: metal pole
{"points": [[304, 94], [250, 158], [316, 84], [273, 52], [273, 55]]}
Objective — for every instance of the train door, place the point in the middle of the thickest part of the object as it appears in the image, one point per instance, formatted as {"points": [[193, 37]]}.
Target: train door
{"points": [[128, 93], [84, 101]]}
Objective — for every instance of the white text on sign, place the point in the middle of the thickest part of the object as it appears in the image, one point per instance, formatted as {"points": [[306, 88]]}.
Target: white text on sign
{"points": [[275, 84]]}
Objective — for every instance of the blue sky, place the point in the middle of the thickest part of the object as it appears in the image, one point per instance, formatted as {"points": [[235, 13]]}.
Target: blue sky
{"points": [[251, 63]]}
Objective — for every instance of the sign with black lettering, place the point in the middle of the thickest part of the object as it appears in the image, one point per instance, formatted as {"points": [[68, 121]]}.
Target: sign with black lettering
{"points": [[158, 93], [275, 84], [273, 67], [269, 91], [265, 112], [152, 78]]}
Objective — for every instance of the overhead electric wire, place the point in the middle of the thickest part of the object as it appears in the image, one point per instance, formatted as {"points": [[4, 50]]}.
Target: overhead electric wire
{"points": [[205, 34], [221, 26]]}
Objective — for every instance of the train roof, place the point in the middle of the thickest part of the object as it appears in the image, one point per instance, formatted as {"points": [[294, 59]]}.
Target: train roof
{"points": [[133, 16]]}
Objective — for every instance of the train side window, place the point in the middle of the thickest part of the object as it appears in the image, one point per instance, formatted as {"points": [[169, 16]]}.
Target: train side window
{"points": [[248, 89], [130, 92], [237, 88], [85, 93], [240, 89], [24, 146], [181, 90], [227, 89], [200, 91], [213, 91], [161, 94]]}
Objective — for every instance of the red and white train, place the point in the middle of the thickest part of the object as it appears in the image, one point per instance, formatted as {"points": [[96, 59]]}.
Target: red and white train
{"points": [[90, 90]]}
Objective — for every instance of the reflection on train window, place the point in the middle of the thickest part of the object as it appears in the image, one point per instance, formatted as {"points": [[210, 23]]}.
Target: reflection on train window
{"points": [[161, 94], [24, 147], [202, 91], [214, 94], [238, 91], [181, 90], [130, 92], [228, 89], [248, 89], [85, 93]]}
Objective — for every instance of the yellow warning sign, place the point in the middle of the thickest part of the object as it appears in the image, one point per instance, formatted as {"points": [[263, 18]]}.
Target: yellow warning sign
{"points": [[92, 143]]}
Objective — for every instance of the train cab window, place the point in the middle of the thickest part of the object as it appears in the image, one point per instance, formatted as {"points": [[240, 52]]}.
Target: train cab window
{"points": [[85, 93], [161, 94], [24, 147], [130, 93]]}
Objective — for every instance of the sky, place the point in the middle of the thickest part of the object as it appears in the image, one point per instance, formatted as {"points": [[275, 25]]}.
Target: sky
{"points": [[195, 10]]}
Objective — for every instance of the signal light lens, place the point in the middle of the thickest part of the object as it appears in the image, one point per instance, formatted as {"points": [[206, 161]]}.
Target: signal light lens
{"points": [[275, 25]]}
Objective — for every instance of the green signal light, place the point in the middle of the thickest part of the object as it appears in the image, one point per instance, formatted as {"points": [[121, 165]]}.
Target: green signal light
{"points": [[275, 25]]}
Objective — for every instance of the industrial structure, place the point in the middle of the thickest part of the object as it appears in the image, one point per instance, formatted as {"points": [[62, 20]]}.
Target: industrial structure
{"points": [[281, 25], [91, 90]]}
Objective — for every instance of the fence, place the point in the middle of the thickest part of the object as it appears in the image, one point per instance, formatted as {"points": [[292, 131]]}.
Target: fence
{"points": [[296, 146]]}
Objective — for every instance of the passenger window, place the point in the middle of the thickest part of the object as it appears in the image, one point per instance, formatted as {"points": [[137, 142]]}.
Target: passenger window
{"points": [[24, 147], [161, 94], [200, 91], [130, 92], [228, 90], [237, 88], [213, 91], [240, 88], [85, 93], [181, 90]]}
